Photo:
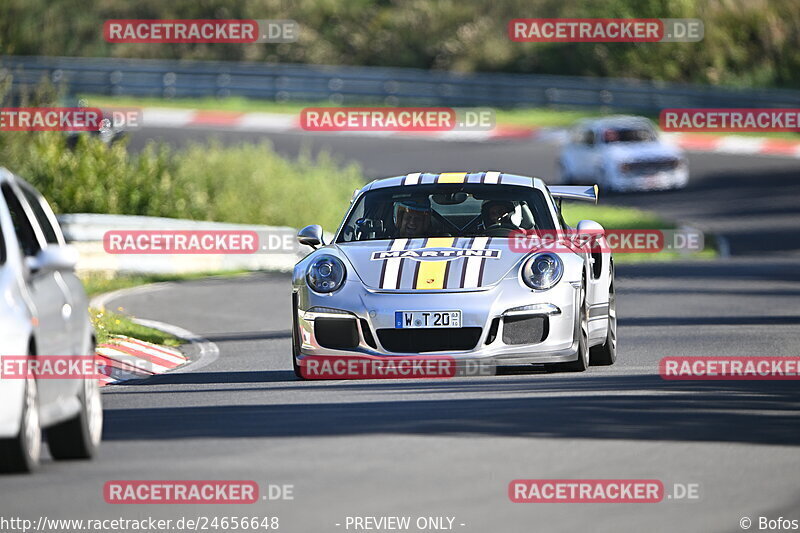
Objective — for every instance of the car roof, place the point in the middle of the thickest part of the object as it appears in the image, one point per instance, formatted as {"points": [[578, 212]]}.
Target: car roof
{"points": [[488, 178]]}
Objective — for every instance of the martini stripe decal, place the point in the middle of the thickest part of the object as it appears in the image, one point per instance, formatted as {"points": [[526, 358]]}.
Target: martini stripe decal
{"points": [[452, 177], [412, 179], [433, 274], [465, 262], [474, 265], [492, 177], [390, 276]]}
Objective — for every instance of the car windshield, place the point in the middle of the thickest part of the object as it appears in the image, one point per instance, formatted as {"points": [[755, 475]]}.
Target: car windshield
{"points": [[628, 135], [451, 210]]}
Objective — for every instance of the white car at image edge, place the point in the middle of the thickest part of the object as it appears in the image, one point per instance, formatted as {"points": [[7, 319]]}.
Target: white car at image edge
{"points": [[622, 153], [44, 311]]}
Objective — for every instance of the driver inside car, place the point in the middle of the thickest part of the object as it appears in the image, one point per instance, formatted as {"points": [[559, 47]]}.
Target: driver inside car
{"points": [[497, 213], [413, 218]]}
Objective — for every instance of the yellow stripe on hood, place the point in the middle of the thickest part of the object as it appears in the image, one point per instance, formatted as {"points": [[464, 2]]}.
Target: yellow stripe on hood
{"points": [[431, 274]]}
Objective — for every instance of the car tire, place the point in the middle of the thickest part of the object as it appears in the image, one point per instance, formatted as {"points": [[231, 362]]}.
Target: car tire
{"points": [[582, 362], [79, 437], [606, 353], [22, 453]]}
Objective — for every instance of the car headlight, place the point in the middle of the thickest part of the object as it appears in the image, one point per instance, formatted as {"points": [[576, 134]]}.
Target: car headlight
{"points": [[325, 274], [542, 271]]}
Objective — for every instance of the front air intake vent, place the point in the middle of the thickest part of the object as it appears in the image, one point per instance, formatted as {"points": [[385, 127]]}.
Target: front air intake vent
{"points": [[336, 333], [525, 329]]}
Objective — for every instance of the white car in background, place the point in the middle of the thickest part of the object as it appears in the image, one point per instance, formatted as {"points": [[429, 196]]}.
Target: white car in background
{"points": [[43, 311], [622, 153]]}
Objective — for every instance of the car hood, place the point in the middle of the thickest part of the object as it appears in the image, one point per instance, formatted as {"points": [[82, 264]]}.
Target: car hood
{"points": [[442, 263], [643, 151]]}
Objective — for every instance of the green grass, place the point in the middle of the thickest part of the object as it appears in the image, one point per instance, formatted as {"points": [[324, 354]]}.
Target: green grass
{"points": [[233, 103], [613, 217], [107, 324], [622, 218], [534, 117], [246, 183]]}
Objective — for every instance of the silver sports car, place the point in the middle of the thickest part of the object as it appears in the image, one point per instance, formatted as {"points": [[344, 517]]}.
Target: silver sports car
{"points": [[429, 264]]}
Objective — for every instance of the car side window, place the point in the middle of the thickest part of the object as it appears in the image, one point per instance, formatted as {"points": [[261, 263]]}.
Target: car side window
{"points": [[34, 201], [588, 137], [2, 247], [560, 216], [26, 235]]}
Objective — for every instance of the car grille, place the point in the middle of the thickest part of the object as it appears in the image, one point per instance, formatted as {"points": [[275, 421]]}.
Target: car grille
{"points": [[420, 340], [651, 167]]}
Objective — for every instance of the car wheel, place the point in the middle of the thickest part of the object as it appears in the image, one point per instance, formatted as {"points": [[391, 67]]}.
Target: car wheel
{"points": [[22, 453], [582, 362], [606, 354], [79, 437]]}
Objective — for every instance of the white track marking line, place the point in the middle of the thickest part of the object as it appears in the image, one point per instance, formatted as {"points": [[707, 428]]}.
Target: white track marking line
{"points": [[208, 351]]}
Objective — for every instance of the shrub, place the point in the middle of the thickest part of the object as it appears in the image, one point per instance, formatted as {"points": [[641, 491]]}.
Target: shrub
{"points": [[244, 184]]}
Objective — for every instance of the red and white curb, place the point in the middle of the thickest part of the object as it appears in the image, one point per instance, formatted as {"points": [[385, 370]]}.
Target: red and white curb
{"points": [[732, 144], [273, 122], [126, 358]]}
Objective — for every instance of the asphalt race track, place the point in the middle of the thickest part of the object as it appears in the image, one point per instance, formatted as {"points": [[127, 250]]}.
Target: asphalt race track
{"points": [[450, 447]]}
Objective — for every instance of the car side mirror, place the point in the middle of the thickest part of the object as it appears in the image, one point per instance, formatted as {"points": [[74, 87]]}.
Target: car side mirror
{"points": [[53, 258], [311, 236], [590, 232], [590, 226]]}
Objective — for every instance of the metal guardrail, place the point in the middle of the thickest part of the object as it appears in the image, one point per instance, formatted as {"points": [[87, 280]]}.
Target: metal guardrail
{"points": [[373, 85], [82, 227], [85, 231]]}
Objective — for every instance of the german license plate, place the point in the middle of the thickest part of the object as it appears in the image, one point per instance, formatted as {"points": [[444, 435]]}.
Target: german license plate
{"points": [[427, 319]]}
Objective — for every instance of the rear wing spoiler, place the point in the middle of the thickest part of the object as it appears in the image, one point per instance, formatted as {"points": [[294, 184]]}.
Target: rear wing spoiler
{"points": [[583, 193]]}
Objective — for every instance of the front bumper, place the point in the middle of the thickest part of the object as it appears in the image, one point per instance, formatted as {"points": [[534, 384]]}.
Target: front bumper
{"points": [[487, 310], [670, 179]]}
